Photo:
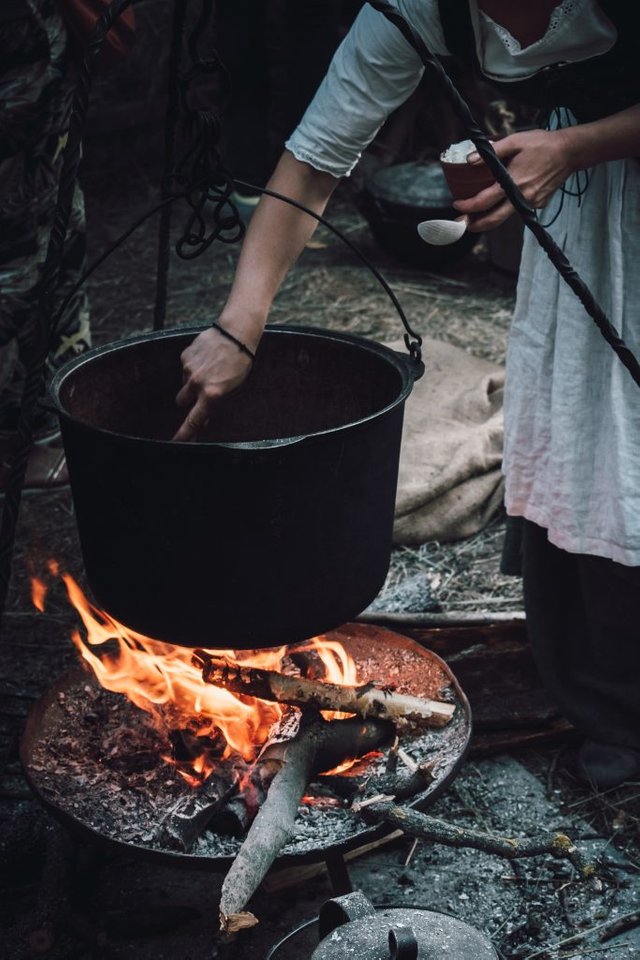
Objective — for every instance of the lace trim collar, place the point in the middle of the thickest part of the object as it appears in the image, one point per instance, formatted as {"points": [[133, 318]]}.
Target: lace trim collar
{"points": [[577, 30]]}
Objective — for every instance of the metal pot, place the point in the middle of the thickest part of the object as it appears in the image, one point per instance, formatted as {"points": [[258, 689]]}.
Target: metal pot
{"points": [[351, 928], [276, 525], [396, 199]]}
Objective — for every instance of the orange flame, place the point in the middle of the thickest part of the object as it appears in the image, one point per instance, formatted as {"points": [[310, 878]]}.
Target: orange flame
{"points": [[38, 593], [161, 679], [339, 668]]}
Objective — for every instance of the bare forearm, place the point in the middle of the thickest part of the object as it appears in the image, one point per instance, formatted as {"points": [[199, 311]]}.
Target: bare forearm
{"points": [[275, 238], [613, 138], [212, 364]]}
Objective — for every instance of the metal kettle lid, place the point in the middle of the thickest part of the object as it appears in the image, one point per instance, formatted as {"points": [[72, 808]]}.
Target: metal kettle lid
{"points": [[352, 929]]}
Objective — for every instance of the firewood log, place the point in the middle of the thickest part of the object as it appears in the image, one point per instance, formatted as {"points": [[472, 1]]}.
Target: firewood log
{"points": [[366, 701], [318, 746], [193, 813], [401, 787]]}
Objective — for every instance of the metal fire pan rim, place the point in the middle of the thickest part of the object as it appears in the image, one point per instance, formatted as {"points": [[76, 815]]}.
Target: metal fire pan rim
{"points": [[77, 676], [397, 360]]}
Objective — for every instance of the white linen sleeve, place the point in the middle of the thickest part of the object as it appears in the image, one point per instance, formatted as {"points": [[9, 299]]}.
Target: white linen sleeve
{"points": [[373, 71]]}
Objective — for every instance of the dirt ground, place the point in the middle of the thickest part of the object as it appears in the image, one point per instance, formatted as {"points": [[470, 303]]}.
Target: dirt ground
{"points": [[536, 909]]}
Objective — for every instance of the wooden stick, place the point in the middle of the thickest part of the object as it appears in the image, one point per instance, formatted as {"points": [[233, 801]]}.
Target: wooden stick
{"points": [[318, 745], [453, 619], [238, 813], [268, 833], [192, 814], [398, 787], [367, 701], [512, 848]]}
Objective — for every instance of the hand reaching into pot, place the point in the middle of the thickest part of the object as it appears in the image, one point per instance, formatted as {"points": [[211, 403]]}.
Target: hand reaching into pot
{"points": [[219, 360], [212, 366]]}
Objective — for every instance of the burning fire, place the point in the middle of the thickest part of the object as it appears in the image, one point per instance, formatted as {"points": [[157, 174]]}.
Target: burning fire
{"points": [[162, 680]]}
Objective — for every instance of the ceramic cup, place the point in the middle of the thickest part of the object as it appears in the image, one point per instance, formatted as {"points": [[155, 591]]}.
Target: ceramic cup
{"points": [[465, 179]]}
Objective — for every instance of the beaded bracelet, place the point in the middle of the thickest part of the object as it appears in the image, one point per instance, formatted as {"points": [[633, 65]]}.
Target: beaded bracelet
{"points": [[239, 344]]}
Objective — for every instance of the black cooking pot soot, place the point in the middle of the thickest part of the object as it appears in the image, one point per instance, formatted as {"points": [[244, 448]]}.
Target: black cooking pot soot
{"points": [[276, 525]]}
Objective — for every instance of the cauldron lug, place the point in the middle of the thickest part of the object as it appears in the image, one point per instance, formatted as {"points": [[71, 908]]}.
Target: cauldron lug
{"points": [[415, 368]]}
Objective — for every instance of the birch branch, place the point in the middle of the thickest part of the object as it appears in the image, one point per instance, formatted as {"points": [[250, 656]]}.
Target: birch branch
{"points": [[366, 701], [318, 746]]}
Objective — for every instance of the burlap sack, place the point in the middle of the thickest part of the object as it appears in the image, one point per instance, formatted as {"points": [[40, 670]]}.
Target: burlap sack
{"points": [[450, 483]]}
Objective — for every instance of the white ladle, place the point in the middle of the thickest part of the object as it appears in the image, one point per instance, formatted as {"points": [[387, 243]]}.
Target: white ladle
{"points": [[439, 233]]}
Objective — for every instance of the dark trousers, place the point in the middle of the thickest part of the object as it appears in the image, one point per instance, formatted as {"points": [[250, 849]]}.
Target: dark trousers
{"points": [[583, 621]]}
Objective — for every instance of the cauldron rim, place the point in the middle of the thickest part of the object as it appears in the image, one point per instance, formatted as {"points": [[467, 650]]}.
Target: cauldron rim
{"points": [[400, 362]]}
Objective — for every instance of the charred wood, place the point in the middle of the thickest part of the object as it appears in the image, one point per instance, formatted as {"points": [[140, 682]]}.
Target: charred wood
{"points": [[187, 745], [231, 798], [269, 831], [317, 746], [392, 756], [337, 785], [400, 787], [234, 819], [193, 813], [366, 701]]}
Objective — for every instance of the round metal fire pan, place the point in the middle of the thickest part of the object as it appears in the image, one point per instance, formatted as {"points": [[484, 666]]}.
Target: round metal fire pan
{"points": [[45, 715]]}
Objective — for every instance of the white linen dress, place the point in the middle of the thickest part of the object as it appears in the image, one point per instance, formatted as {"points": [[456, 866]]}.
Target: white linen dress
{"points": [[572, 411]]}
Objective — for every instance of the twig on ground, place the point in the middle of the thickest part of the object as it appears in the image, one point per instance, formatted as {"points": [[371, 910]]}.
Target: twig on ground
{"points": [[420, 825]]}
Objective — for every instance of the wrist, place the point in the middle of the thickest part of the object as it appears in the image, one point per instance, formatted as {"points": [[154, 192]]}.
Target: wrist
{"points": [[247, 325], [574, 148]]}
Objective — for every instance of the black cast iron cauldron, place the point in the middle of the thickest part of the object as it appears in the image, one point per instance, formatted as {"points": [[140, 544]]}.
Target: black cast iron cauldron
{"points": [[276, 525]]}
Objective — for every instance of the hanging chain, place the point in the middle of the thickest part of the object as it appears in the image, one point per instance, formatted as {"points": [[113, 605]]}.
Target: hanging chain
{"points": [[200, 176]]}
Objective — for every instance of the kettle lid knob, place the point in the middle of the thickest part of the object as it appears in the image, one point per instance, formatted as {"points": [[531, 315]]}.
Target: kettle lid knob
{"points": [[402, 944]]}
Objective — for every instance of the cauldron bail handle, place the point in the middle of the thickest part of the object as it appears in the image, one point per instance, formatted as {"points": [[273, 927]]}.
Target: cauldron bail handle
{"points": [[413, 341], [402, 944], [340, 910], [525, 210]]}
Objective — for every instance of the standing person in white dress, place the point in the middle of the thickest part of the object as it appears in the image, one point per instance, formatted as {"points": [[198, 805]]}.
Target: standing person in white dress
{"points": [[572, 411]]}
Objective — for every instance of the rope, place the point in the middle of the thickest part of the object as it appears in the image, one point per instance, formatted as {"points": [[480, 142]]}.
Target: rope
{"points": [[200, 176], [581, 177]]}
